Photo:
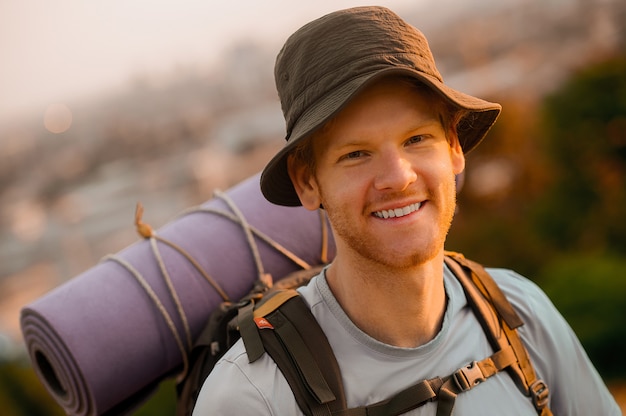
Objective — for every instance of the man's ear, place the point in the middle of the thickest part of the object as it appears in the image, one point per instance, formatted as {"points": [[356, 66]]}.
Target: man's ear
{"points": [[456, 154], [304, 183]]}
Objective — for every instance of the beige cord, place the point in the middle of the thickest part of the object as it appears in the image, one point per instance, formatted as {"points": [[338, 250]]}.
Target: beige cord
{"points": [[170, 286], [295, 259], [155, 299], [246, 229], [146, 231]]}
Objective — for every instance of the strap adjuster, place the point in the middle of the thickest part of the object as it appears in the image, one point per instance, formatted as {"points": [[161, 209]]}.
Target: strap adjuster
{"points": [[468, 376], [539, 393]]}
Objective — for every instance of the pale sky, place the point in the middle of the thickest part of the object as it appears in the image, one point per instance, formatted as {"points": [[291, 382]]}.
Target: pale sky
{"points": [[52, 51]]}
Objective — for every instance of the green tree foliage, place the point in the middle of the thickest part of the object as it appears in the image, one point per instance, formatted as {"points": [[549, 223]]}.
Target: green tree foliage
{"points": [[22, 394], [162, 402], [590, 291], [585, 140], [492, 226], [582, 212]]}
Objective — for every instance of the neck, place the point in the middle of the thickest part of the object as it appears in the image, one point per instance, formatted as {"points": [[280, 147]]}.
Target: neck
{"points": [[404, 308]]}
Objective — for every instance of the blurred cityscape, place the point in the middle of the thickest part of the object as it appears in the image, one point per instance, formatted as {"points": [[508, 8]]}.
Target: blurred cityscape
{"points": [[69, 181]]}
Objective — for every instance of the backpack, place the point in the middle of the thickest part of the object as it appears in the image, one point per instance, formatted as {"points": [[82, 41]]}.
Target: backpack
{"points": [[271, 319]]}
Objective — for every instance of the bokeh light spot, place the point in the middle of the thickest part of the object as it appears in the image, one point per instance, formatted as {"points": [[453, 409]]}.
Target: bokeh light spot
{"points": [[57, 118]]}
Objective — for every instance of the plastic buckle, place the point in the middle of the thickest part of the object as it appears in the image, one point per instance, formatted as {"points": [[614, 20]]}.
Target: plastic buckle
{"points": [[539, 393], [468, 376]]}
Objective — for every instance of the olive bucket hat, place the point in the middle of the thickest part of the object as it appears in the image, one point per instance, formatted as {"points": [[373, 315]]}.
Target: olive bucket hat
{"points": [[324, 64]]}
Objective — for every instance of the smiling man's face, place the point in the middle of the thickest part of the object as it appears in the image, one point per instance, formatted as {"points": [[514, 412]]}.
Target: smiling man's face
{"points": [[384, 171]]}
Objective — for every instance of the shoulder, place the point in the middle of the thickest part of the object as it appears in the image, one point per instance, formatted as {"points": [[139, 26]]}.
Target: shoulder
{"points": [[525, 295], [544, 327], [558, 357], [259, 388], [542, 321]]}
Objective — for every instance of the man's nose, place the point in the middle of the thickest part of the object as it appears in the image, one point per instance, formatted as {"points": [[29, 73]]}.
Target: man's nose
{"points": [[394, 172]]}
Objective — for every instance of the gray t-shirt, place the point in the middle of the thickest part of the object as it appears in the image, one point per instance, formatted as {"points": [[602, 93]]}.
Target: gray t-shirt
{"points": [[373, 371]]}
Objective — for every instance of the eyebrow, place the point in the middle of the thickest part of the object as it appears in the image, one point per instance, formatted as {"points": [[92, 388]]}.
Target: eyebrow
{"points": [[423, 124], [356, 142]]}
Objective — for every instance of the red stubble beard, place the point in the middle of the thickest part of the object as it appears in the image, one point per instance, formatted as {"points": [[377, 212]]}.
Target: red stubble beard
{"points": [[410, 247]]}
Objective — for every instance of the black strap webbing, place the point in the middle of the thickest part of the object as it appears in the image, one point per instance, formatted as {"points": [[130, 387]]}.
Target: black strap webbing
{"points": [[408, 399], [249, 332], [303, 358], [301, 351]]}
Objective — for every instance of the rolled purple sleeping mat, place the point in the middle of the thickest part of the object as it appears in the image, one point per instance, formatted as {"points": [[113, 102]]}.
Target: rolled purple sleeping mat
{"points": [[103, 339]]}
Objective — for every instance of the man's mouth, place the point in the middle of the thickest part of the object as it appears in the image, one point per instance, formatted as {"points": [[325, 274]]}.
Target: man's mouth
{"points": [[398, 212]]}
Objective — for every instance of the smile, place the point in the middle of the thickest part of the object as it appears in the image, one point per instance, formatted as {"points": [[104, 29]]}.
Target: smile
{"points": [[398, 212]]}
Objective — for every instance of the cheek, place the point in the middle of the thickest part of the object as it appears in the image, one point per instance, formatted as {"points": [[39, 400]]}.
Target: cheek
{"points": [[451, 162], [331, 192], [441, 176], [340, 193]]}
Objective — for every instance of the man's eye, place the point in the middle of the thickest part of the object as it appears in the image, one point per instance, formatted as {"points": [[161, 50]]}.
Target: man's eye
{"points": [[415, 139], [354, 155]]}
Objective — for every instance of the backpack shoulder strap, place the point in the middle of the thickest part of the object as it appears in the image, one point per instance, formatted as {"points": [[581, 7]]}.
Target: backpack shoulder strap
{"points": [[283, 326], [295, 341], [293, 338], [499, 320]]}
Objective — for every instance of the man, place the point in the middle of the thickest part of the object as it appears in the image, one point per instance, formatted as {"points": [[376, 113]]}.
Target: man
{"points": [[376, 139]]}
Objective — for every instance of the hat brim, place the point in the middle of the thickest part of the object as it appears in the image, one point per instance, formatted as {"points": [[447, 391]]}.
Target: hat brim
{"points": [[276, 184]]}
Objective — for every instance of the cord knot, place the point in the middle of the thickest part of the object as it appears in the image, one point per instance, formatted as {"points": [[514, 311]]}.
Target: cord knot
{"points": [[143, 229]]}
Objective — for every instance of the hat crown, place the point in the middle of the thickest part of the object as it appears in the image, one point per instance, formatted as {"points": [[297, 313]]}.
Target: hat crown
{"points": [[328, 52], [324, 64]]}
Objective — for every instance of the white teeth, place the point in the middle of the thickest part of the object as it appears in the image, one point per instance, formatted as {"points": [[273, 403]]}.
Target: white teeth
{"points": [[398, 212]]}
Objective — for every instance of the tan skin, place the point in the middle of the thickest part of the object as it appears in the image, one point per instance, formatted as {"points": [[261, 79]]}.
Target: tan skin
{"points": [[384, 172]]}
